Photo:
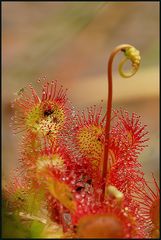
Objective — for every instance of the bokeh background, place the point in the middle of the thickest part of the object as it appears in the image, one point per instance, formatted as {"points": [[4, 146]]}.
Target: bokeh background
{"points": [[71, 42]]}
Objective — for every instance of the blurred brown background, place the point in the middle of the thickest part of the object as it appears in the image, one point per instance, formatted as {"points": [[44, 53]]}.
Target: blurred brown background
{"points": [[71, 42]]}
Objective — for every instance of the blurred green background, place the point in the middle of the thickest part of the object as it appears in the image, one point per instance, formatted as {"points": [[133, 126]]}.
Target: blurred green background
{"points": [[71, 42]]}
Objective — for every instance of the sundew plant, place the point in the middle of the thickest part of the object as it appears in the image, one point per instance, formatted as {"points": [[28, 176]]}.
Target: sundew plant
{"points": [[79, 175]]}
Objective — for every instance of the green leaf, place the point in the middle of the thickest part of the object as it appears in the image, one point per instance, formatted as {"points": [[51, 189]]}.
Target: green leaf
{"points": [[36, 229]]}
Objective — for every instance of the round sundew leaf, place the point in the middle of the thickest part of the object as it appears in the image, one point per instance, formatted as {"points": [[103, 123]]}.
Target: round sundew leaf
{"points": [[54, 160], [48, 116], [100, 226], [89, 142], [45, 118]]}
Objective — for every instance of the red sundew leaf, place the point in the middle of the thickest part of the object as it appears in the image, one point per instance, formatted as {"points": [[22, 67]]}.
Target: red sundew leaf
{"points": [[129, 132], [149, 201], [126, 137], [90, 204], [39, 154], [126, 141], [109, 210], [100, 226], [49, 116], [88, 135]]}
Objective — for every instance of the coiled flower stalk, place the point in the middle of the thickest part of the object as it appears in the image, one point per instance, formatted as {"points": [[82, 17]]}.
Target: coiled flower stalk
{"points": [[132, 54]]}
